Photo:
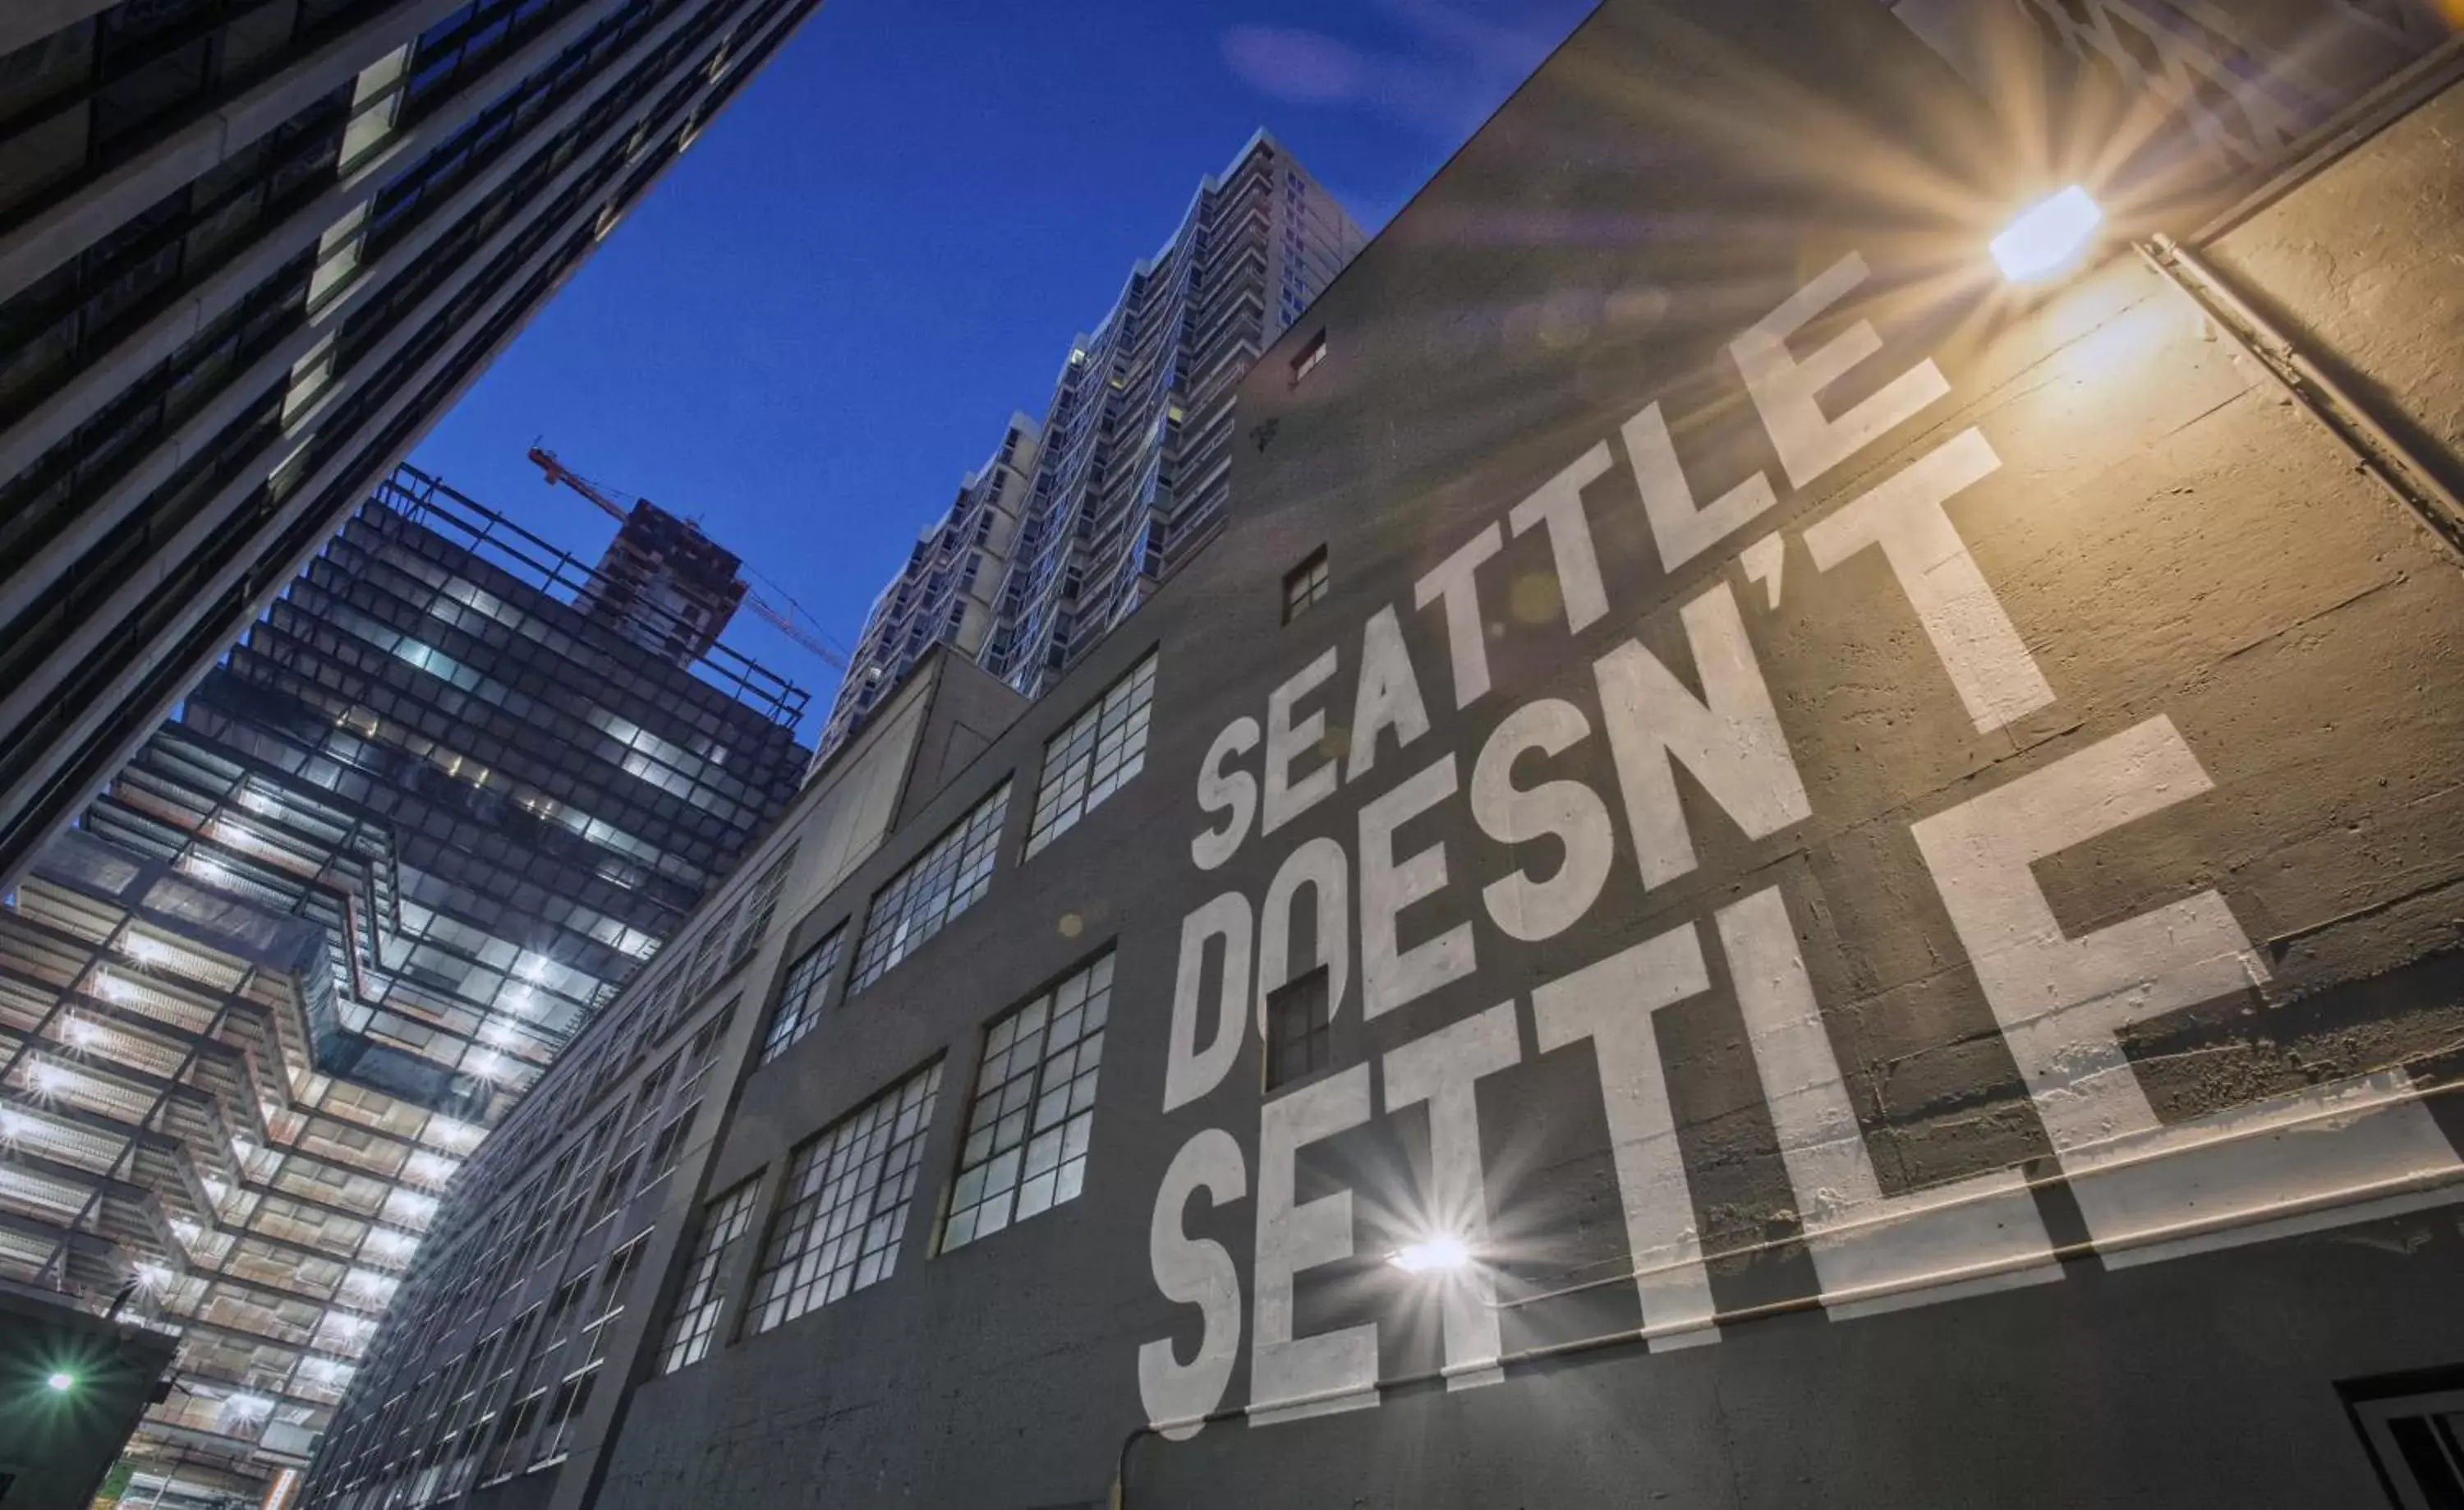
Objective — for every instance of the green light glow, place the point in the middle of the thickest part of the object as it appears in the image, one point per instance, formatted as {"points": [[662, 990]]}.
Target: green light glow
{"points": [[61, 1383]]}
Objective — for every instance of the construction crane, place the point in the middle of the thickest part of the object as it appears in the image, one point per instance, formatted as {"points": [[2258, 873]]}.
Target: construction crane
{"points": [[783, 620]]}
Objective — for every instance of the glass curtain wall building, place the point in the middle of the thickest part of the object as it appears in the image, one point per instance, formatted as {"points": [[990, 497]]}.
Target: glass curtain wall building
{"points": [[1130, 470], [326, 927], [249, 249]]}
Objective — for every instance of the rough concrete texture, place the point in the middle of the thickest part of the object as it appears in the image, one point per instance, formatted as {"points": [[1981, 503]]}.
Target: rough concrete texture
{"points": [[2168, 538], [2363, 265]]}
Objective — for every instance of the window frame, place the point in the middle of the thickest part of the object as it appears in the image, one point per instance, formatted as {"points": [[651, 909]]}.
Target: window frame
{"points": [[1305, 361], [1306, 585], [845, 1169], [693, 1320], [1094, 755], [1309, 989], [2397, 1418], [959, 864], [1002, 1127], [800, 1005]]}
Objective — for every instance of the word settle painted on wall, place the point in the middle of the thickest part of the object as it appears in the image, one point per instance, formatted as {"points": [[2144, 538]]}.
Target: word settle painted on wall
{"points": [[2147, 1189]]}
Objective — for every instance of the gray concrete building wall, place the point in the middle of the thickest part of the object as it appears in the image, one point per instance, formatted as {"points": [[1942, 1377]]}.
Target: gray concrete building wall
{"points": [[1883, 847]]}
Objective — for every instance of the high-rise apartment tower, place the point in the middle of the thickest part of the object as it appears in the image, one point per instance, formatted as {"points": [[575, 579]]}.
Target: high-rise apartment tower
{"points": [[1130, 470], [945, 592], [249, 249]]}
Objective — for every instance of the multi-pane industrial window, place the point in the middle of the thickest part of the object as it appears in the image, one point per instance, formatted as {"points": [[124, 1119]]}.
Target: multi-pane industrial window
{"points": [[702, 1052], [942, 882], [1305, 585], [848, 1193], [615, 1185], [1094, 757], [564, 1312], [509, 1441], [1034, 1107], [710, 955], [581, 1371], [669, 1145], [1300, 1029], [801, 1000], [572, 1398], [764, 906], [695, 1318]]}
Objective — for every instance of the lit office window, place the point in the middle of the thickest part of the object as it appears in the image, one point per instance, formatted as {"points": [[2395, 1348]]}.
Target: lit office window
{"points": [[1034, 1107], [695, 1318], [1094, 757], [800, 1003], [848, 1193], [944, 881]]}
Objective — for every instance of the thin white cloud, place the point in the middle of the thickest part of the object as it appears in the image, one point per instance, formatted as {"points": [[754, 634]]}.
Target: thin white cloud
{"points": [[1449, 66]]}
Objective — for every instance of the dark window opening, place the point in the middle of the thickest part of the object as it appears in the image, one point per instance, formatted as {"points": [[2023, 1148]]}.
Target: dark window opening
{"points": [[1305, 585], [2413, 1425], [1300, 1029], [1310, 355]]}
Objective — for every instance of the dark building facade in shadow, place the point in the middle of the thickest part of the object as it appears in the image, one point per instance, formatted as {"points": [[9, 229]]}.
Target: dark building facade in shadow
{"points": [[1762, 869]]}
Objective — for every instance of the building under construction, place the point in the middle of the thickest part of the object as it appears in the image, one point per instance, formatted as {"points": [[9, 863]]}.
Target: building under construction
{"points": [[667, 585]]}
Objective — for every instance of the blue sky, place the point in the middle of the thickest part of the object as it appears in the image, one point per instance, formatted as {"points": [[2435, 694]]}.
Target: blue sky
{"points": [[825, 313]]}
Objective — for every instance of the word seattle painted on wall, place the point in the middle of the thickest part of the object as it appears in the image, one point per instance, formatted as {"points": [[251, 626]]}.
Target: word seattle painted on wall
{"points": [[2146, 1190]]}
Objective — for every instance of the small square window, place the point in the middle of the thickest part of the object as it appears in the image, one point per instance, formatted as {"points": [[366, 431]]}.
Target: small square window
{"points": [[1305, 585], [1300, 1029], [1310, 355]]}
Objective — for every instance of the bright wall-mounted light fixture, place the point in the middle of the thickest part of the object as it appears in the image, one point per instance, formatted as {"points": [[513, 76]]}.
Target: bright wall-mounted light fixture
{"points": [[2049, 236], [61, 1383], [1437, 1254]]}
